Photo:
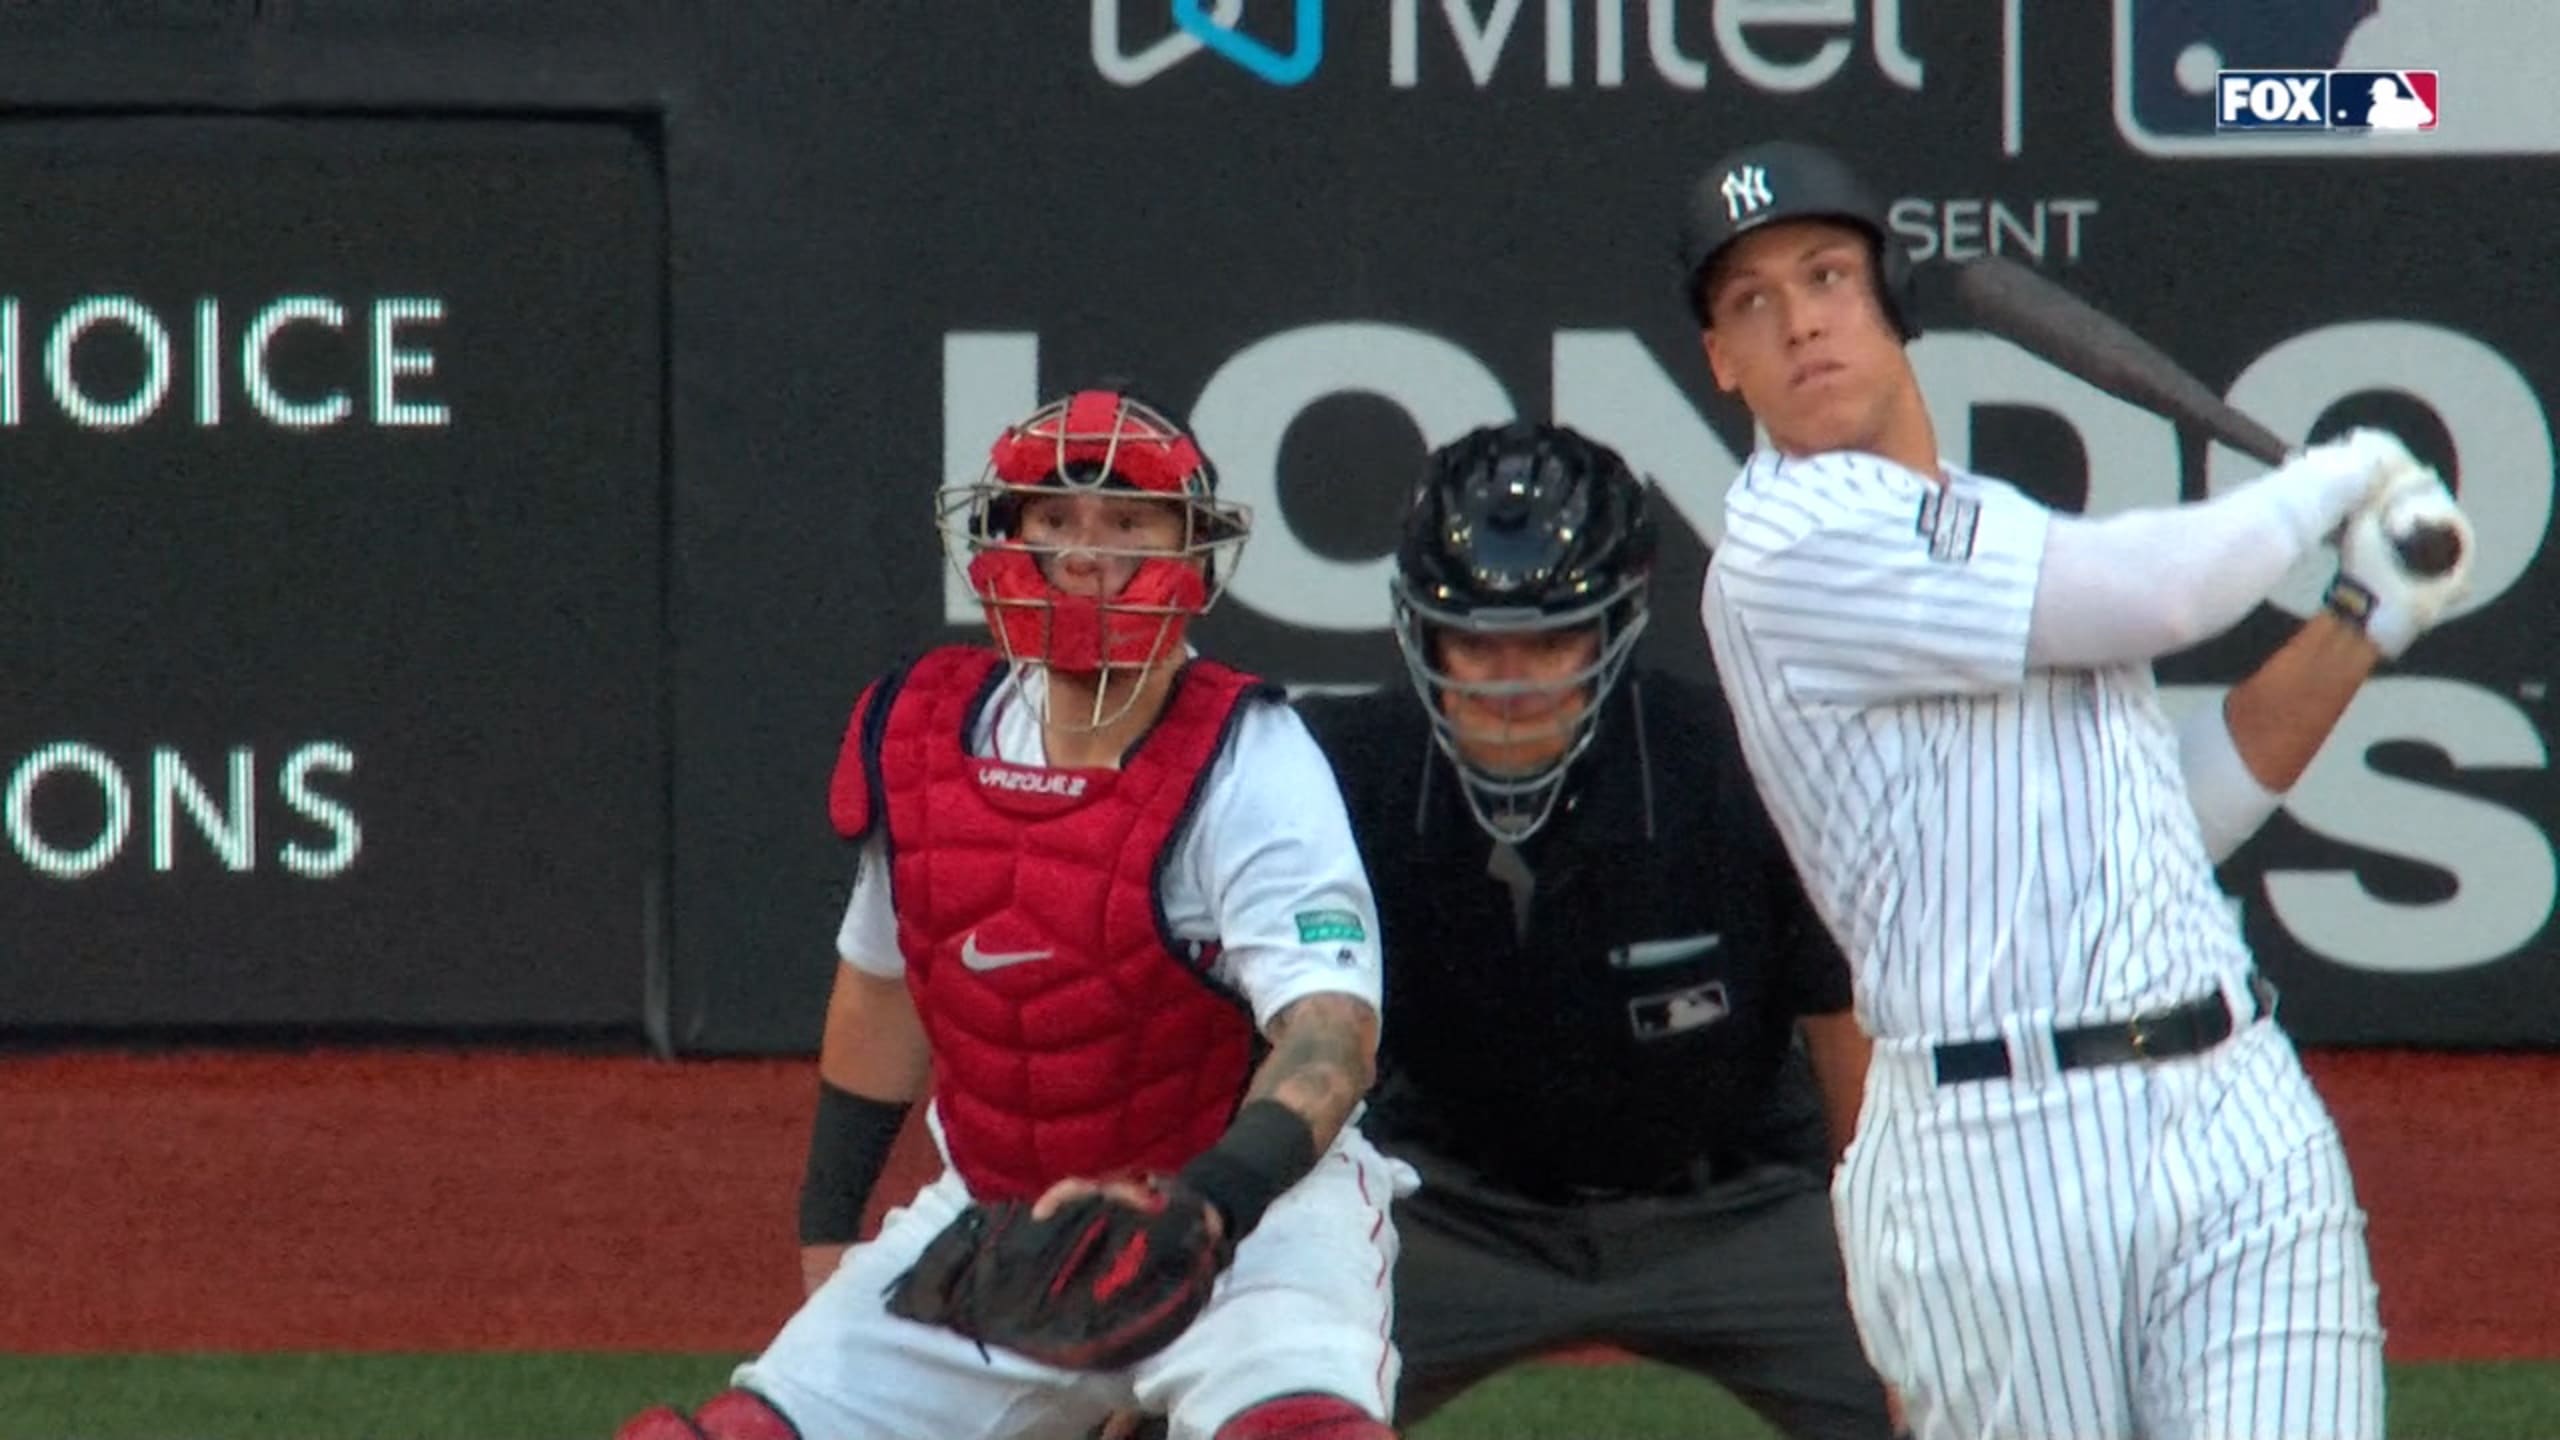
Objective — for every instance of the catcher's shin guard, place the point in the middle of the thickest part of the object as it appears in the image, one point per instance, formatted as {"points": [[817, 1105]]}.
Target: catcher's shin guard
{"points": [[729, 1415], [1305, 1417]]}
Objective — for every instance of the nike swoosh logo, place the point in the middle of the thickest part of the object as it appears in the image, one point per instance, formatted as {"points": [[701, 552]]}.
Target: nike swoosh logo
{"points": [[981, 961], [1645, 954]]}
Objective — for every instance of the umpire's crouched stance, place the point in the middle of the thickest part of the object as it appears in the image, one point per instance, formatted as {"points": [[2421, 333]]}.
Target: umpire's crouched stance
{"points": [[1597, 957]]}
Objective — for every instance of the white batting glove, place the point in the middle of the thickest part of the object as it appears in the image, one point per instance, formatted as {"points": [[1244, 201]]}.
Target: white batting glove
{"points": [[2375, 589], [2322, 485], [2355, 470], [2387, 462]]}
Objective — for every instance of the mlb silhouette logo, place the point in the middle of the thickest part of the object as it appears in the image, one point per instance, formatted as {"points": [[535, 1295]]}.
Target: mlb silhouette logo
{"points": [[1676, 1012], [2382, 99]]}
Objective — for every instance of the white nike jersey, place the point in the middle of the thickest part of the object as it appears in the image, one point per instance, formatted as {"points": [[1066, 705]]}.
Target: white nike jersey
{"points": [[1985, 841], [1266, 866]]}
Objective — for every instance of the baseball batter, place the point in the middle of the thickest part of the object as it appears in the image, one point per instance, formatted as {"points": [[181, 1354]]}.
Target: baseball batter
{"points": [[2092, 1192], [1109, 901]]}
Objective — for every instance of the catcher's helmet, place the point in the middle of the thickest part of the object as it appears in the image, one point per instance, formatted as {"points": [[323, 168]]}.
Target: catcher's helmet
{"points": [[1523, 528], [1105, 440], [1787, 180]]}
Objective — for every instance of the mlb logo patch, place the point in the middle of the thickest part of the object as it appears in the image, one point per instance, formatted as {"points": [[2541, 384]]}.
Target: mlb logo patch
{"points": [[1677, 1012], [2382, 99]]}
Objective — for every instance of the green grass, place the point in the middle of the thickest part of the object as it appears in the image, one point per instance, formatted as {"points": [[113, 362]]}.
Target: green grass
{"points": [[584, 1396]]}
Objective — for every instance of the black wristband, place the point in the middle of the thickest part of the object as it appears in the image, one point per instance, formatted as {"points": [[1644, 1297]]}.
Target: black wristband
{"points": [[849, 1145], [1266, 1149], [2350, 600]]}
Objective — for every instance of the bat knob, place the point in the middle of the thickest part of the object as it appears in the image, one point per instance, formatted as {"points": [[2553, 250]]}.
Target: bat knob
{"points": [[2429, 550]]}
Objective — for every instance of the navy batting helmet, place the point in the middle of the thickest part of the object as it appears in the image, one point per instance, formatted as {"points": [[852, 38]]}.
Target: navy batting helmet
{"points": [[1787, 180]]}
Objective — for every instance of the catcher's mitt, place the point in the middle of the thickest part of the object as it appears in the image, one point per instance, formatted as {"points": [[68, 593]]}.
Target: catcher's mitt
{"points": [[1099, 1285]]}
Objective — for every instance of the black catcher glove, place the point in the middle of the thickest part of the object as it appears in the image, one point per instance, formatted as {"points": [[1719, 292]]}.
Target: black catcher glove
{"points": [[1101, 1284]]}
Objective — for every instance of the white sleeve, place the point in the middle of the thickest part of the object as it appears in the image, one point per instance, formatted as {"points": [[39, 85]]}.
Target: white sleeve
{"points": [[1865, 583], [2229, 802], [1272, 855], [868, 938], [2145, 583]]}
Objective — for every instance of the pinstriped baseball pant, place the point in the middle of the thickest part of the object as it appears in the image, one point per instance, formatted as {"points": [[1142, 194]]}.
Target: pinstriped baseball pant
{"points": [[2170, 1251]]}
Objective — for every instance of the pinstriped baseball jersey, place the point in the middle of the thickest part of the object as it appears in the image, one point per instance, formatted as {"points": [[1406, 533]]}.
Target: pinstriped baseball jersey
{"points": [[1985, 840], [2000, 849]]}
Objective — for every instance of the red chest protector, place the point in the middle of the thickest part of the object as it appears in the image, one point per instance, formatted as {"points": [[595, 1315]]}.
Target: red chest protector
{"points": [[1072, 1035]]}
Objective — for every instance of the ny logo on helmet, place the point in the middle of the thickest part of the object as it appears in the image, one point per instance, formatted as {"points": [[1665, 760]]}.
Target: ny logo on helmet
{"points": [[1745, 191]]}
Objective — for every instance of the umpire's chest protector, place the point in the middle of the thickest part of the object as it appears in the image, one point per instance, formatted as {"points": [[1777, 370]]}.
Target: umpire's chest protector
{"points": [[1072, 1034]]}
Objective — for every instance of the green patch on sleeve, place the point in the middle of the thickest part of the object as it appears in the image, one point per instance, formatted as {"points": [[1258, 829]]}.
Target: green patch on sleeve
{"points": [[1323, 927]]}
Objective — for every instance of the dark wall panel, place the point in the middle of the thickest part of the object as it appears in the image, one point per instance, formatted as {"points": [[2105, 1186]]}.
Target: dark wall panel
{"points": [[889, 229], [333, 501]]}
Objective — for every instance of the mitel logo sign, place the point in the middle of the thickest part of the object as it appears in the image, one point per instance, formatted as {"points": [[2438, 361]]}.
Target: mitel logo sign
{"points": [[1563, 44], [1209, 25], [2325, 100]]}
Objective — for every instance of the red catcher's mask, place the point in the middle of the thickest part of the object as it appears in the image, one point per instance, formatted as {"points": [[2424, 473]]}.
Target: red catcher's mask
{"points": [[1099, 442]]}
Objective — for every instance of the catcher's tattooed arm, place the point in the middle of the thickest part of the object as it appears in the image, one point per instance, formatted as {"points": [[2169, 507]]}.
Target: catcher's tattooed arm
{"points": [[1324, 1057], [1324, 1054]]}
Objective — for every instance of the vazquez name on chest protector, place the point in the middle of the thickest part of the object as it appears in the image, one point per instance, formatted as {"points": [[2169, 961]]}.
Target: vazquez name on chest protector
{"points": [[1072, 1034]]}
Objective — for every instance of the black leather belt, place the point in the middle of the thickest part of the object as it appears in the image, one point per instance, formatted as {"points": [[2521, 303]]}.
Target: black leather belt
{"points": [[2189, 1029]]}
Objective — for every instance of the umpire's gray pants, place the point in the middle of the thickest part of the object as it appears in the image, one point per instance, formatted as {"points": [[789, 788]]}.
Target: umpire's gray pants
{"points": [[1740, 1282]]}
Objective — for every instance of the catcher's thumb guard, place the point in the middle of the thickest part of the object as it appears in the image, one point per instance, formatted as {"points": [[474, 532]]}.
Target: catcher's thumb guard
{"points": [[926, 1290]]}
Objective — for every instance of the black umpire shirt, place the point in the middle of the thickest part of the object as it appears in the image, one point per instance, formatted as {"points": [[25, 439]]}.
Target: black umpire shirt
{"points": [[1630, 1028]]}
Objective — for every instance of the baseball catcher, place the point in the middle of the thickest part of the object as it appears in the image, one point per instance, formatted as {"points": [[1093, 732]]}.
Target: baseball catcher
{"points": [[1107, 898]]}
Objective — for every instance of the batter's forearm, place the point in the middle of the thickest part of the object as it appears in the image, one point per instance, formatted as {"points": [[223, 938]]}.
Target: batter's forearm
{"points": [[2284, 712], [2239, 757], [1322, 1062]]}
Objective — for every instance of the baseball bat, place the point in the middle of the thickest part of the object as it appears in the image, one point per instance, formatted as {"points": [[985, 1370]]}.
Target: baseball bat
{"points": [[2020, 304]]}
